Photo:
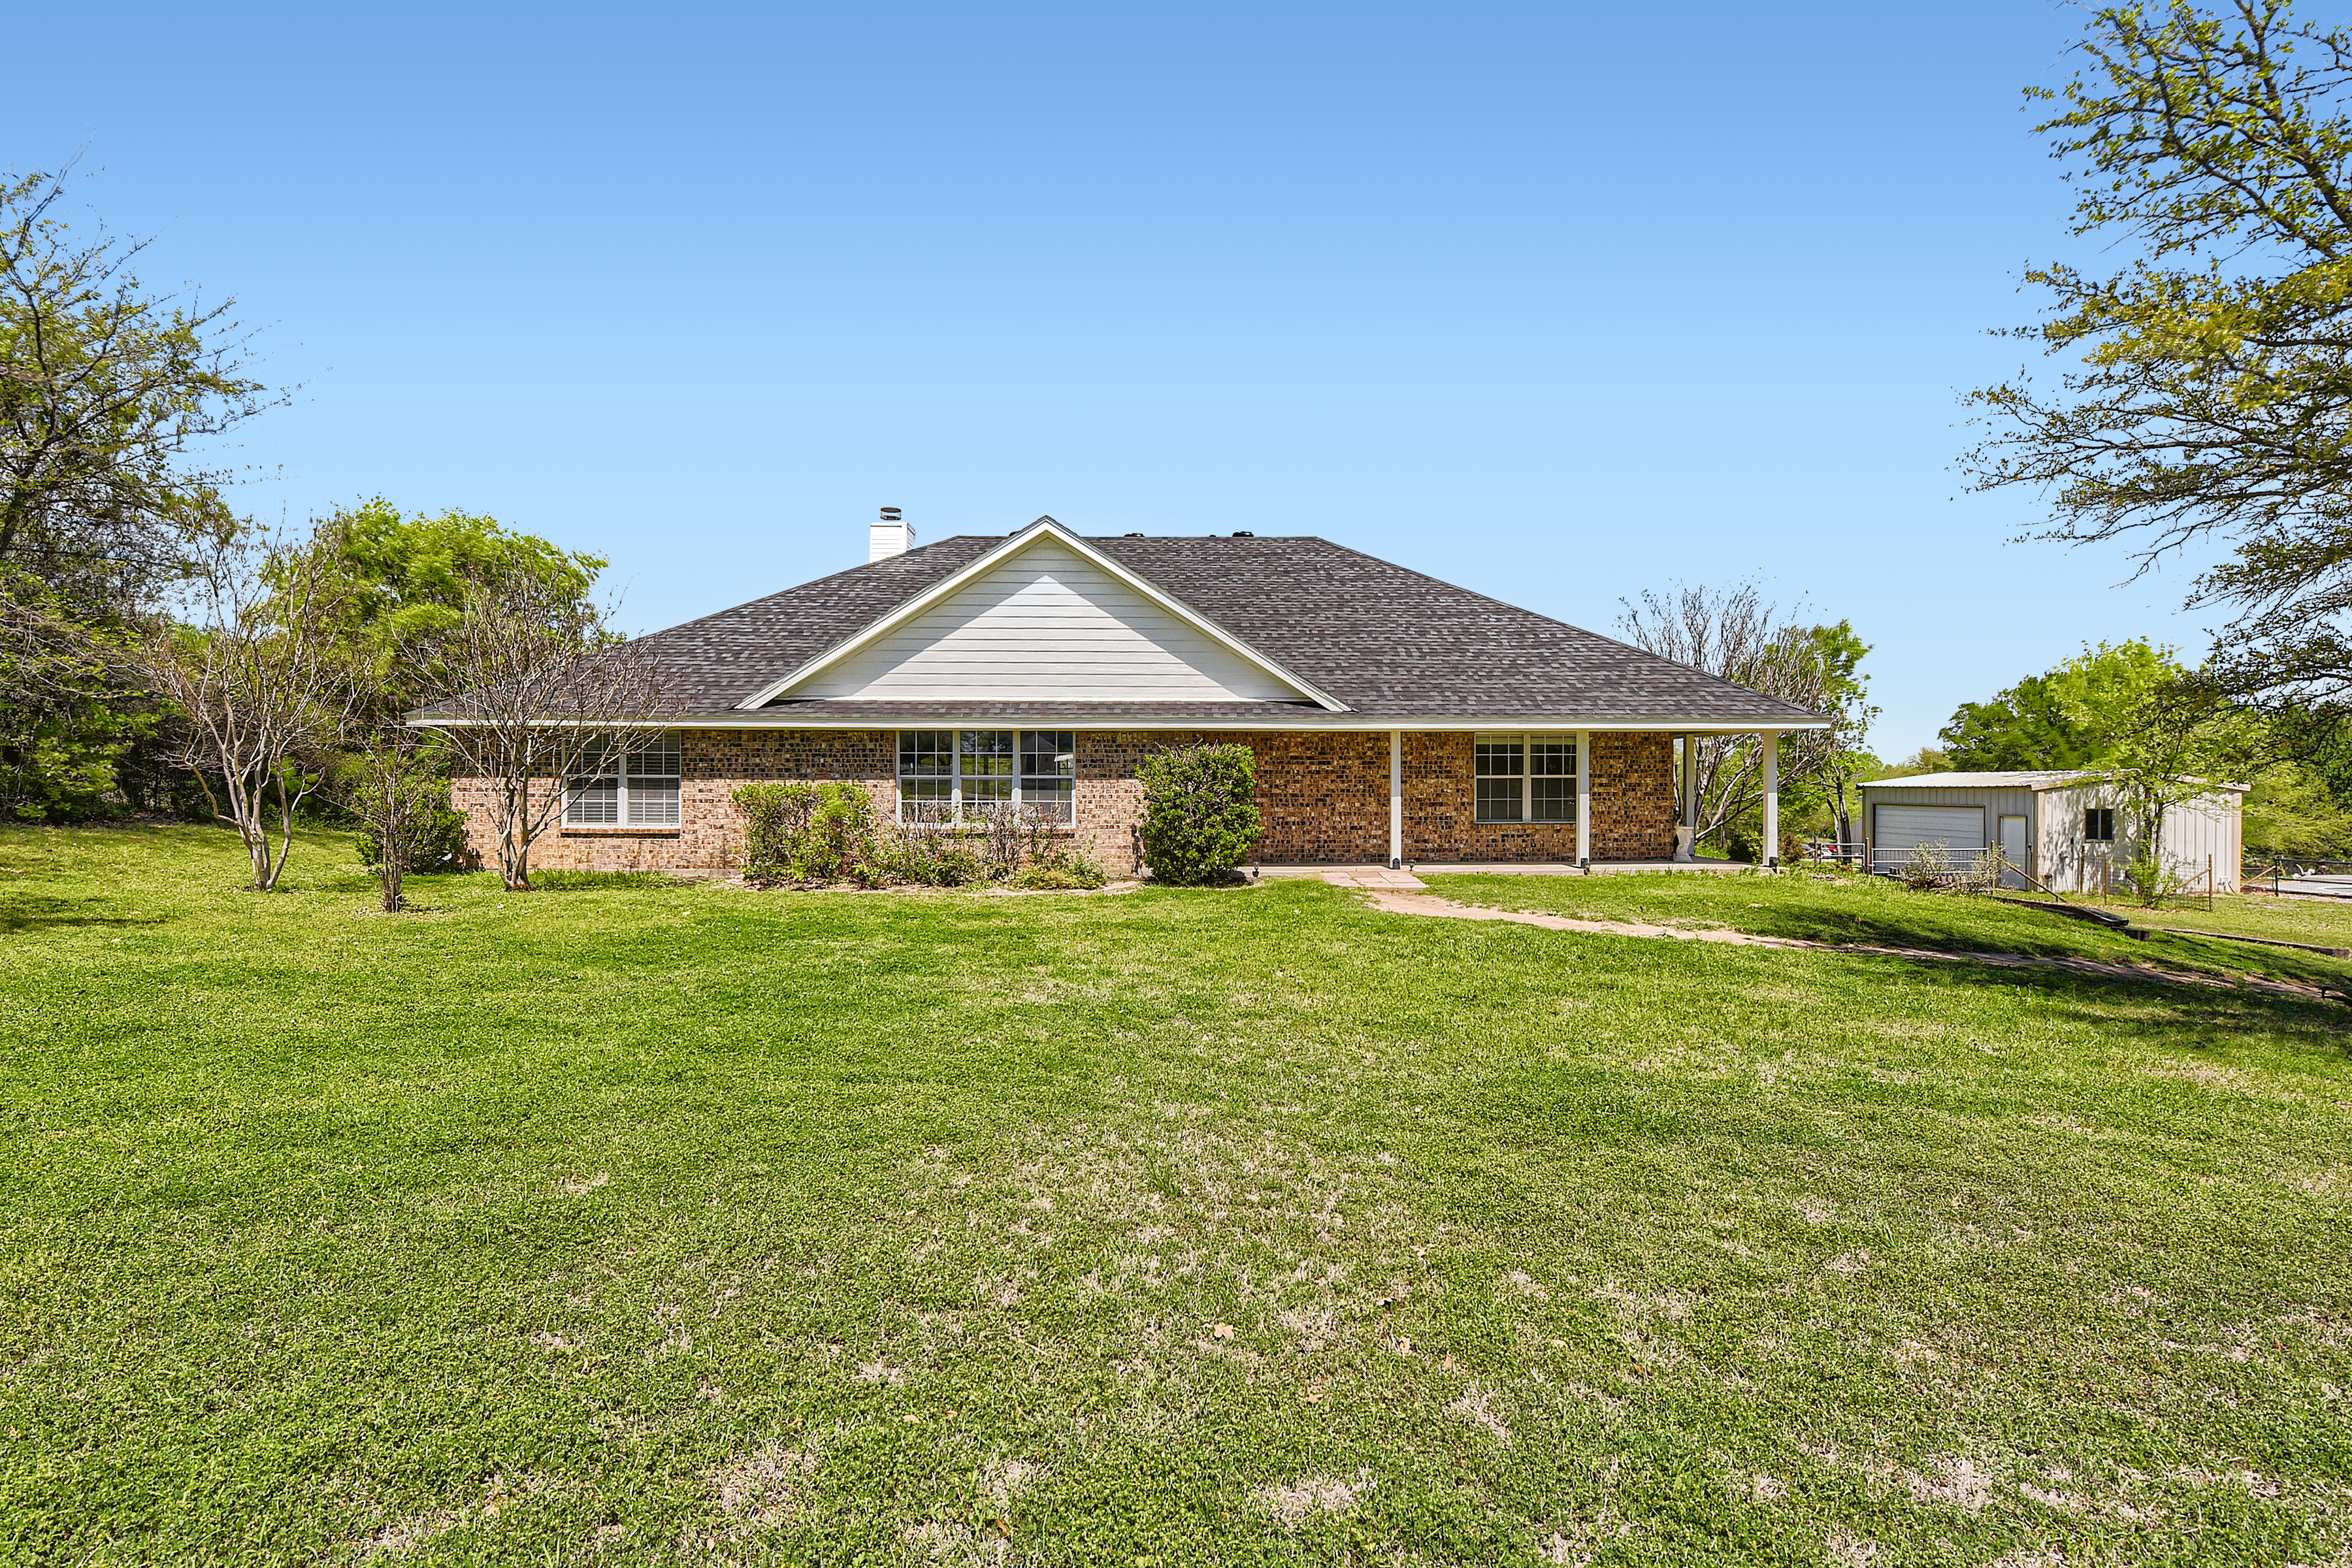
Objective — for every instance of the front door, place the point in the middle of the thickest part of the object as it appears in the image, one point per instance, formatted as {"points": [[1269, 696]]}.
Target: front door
{"points": [[2012, 850]]}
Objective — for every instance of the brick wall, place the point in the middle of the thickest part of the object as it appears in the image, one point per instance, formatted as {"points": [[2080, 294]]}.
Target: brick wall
{"points": [[1632, 804], [1324, 795], [709, 833]]}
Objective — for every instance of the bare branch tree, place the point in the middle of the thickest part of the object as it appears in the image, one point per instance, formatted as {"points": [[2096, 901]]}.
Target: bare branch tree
{"points": [[245, 648], [1734, 635], [539, 692]]}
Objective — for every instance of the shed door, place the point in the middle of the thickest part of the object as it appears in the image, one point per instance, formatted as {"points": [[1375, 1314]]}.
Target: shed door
{"points": [[1903, 828], [2012, 849]]}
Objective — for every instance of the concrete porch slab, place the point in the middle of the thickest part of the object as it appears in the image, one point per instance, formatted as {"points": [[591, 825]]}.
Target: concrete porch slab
{"points": [[1378, 877], [1350, 874]]}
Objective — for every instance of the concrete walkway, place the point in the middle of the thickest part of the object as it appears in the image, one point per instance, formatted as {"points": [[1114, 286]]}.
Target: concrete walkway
{"points": [[1397, 900]]}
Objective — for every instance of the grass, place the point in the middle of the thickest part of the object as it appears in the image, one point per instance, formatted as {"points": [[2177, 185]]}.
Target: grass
{"points": [[1881, 913], [583, 881], [687, 1223]]}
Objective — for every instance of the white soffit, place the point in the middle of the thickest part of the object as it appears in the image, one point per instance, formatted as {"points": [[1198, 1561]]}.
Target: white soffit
{"points": [[1044, 618]]}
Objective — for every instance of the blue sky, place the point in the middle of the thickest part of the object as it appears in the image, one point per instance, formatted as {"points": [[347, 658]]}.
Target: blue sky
{"points": [[1557, 302]]}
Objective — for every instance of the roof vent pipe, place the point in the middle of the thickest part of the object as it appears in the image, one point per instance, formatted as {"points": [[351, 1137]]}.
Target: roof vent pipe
{"points": [[891, 536]]}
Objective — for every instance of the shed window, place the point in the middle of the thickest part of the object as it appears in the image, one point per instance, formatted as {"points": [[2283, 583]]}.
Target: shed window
{"points": [[1526, 778], [625, 782], [963, 775], [2099, 823]]}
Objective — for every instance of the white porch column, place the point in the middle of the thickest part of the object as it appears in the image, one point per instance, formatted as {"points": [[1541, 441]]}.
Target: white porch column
{"points": [[1396, 799], [1584, 797], [1772, 797], [1686, 800]]}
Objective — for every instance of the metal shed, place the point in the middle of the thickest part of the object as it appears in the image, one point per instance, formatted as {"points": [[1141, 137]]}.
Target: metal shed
{"points": [[2068, 833]]}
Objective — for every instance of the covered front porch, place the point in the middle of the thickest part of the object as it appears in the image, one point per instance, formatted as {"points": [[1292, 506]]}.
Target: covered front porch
{"points": [[1681, 757]]}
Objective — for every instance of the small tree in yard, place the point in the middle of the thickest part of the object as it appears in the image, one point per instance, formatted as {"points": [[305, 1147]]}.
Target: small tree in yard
{"points": [[540, 693], [246, 650], [1200, 812], [2166, 738], [395, 786]]}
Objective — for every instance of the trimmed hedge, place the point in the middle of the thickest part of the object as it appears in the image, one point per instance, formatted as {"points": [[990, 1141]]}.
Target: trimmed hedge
{"points": [[1200, 812]]}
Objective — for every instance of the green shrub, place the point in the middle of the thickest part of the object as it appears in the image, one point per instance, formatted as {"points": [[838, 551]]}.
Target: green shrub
{"points": [[443, 848], [2151, 880], [935, 858], [807, 833], [776, 818], [839, 845], [1066, 868], [1200, 812]]}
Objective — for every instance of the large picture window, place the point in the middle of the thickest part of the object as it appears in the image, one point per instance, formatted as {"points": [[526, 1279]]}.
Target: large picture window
{"points": [[625, 783], [963, 775], [1526, 778]]}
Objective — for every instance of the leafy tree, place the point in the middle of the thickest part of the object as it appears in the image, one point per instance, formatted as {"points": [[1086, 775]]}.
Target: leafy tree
{"points": [[2023, 727], [2213, 393], [1925, 759], [2041, 722], [107, 394], [66, 719], [406, 579], [1200, 812], [1845, 694], [2165, 736], [2291, 811]]}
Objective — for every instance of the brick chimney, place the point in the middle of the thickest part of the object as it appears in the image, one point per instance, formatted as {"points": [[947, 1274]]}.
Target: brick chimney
{"points": [[891, 536]]}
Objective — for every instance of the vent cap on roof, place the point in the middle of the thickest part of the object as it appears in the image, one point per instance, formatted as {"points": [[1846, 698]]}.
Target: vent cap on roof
{"points": [[891, 536]]}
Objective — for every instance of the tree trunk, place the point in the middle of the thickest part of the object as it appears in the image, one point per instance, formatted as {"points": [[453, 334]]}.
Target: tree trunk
{"points": [[514, 841]]}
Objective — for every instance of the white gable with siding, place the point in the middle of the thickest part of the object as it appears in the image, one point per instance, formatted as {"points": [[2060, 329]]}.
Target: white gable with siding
{"points": [[1048, 621]]}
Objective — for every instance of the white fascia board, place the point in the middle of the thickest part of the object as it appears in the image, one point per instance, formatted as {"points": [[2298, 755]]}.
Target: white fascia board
{"points": [[662, 723], [1043, 528], [1349, 726]]}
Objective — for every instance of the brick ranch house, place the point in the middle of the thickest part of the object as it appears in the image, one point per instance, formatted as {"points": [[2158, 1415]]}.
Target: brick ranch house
{"points": [[1396, 718]]}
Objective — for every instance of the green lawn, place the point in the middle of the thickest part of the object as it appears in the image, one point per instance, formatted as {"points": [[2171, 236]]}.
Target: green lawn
{"points": [[690, 1224], [1881, 913]]}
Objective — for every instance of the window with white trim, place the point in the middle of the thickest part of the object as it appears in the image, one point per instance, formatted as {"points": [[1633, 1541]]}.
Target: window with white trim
{"points": [[2099, 823], [625, 783], [1526, 778], [962, 775]]}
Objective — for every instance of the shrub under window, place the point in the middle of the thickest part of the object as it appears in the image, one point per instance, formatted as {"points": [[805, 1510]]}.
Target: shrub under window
{"points": [[1200, 812]]}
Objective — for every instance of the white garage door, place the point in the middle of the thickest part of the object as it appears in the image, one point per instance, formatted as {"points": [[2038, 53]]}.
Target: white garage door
{"points": [[1903, 828]]}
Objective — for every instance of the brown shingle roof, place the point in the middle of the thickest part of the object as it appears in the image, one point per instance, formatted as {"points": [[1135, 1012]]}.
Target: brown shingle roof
{"points": [[1388, 642]]}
